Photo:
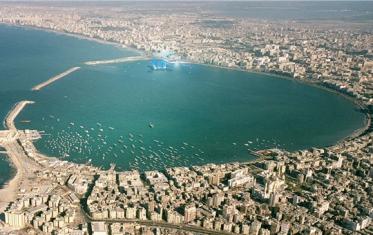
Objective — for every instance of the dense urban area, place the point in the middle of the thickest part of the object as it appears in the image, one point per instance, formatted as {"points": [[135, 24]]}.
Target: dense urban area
{"points": [[317, 191]]}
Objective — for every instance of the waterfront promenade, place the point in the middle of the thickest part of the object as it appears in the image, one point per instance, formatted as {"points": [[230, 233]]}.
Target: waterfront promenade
{"points": [[55, 78]]}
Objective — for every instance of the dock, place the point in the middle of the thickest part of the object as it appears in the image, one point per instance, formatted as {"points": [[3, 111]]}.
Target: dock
{"points": [[118, 60], [55, 78]]}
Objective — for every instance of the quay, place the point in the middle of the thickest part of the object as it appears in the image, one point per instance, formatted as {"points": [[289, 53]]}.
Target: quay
{"points": [[118, 60], [55, 78]]}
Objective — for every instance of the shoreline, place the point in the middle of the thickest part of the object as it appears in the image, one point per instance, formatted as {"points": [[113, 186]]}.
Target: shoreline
{"points": [[76, 35], [13, 171], [141, 52], [356, 133], [10, 188]]}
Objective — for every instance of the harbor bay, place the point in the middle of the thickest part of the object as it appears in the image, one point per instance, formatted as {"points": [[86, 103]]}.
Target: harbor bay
{"points": [[186, 118], [141, 119]]}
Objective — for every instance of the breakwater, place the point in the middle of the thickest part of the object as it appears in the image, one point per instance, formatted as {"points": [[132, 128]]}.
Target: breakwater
{"points": [[118, 60], [9, 120], [55, 78]]}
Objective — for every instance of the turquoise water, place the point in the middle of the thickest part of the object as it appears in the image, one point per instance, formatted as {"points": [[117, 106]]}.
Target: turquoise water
{"points": [[135, 118], [28, 57]]}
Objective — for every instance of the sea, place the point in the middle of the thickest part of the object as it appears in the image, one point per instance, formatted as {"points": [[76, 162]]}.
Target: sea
{"points": [[6, 169], [137, 118]]}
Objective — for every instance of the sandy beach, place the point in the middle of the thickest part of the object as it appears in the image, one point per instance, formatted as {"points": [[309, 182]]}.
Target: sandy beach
{"points": [[9, 191]]}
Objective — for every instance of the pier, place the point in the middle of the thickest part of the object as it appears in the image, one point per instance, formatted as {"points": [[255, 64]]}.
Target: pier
{"points": [[118, 60], [55, 78]]}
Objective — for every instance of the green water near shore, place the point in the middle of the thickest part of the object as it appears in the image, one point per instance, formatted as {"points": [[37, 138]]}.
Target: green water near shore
{"points": [[135, 118], [6, 169]]}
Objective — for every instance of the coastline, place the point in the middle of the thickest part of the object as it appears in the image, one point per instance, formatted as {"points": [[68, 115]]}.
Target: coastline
{"points": [[240, 119], [76, 35], [351, 136], [9, 190], [141, 52]]}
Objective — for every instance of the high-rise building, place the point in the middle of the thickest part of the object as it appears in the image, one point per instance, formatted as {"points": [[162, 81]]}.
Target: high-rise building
{"points": [[99, 228], [190, 213], [15, 219], [255, 227]]}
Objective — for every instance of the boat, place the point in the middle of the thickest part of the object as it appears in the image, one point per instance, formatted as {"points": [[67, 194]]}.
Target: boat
{"points": [[151, 125]]}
